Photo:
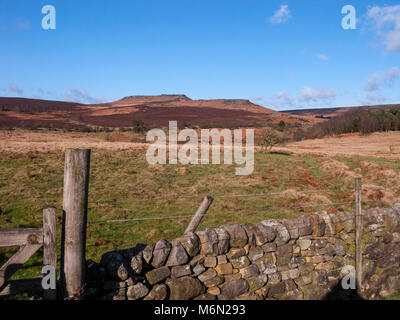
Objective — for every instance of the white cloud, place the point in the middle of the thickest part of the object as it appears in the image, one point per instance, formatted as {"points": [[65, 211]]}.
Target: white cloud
{"points": [[385, 21], [284, 99], [372, 99], [82, 96], [373, 82], [309, 95], [282, 15], [385, 79], [14, 88], [322, 57]]}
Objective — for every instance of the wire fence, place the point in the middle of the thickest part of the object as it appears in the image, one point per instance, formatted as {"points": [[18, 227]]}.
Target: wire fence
{"points": [[190, 215]]}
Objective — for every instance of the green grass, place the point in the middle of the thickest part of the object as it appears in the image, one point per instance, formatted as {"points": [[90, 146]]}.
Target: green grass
{"points": [[30, 182]]}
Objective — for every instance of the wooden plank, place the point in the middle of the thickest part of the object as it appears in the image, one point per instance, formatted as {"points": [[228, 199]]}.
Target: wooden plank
{"points": [[75, 195], [13, 287], [50, 245], [359, 225], [198, 216], [16, 261], [20, 237]]}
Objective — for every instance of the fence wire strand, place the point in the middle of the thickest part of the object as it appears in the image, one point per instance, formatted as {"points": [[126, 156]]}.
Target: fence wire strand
{"points": [[215, 196], [209, 214]]}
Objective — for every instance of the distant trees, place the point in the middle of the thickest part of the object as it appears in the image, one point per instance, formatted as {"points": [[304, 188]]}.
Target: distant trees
{"points": [[357, 120], [270, 138], [138, 126]]}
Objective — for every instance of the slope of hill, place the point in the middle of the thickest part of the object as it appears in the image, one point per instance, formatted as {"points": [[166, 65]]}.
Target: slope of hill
{"points": [[153, 111], [328, 113]]}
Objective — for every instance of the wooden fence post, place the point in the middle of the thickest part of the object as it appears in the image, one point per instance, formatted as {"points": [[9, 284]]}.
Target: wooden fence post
{"points": [[75, 201], [359, 227], [50, 245], [198, 216]]}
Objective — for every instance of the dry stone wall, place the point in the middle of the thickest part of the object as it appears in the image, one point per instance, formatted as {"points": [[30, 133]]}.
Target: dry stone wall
{"points": [[275, 259]]}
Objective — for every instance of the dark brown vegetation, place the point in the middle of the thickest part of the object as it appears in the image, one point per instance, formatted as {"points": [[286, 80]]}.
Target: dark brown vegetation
{"points": [[139, 112], [358, 120]]}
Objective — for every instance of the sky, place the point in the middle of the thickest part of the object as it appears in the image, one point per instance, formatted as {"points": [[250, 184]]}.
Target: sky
{"points": [[280, 54]]}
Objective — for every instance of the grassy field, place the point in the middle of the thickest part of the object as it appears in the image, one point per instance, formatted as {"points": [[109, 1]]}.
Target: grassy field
{"points": [[30, 181]]}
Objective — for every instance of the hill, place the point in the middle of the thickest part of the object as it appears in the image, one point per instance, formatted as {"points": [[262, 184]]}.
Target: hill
{"points": [[152, 111]]}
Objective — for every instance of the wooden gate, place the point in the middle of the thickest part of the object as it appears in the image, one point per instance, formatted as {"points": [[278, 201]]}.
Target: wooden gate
{"points": [[29, 240]]}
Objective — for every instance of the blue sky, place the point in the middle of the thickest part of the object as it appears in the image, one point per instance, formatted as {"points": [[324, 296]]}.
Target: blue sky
{"points": [[283, 55]]}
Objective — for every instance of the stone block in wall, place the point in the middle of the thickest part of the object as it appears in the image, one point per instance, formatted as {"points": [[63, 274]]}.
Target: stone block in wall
{"points": [[291, 227], [221, 259], [180, 271], [304, 243], [282, 234], [396, 237], [184, 288], [349, 225], [210, 262], [304, 225], [137, 264], [263, 234], [233, 289], [208, 274], [296, 262], [197, 259], [304, 280], [214, 291], [330, 228], [317, 225], [269, 247], [190, 242], [223, 240], [198, 269], [255, 253], [209, 242], [231, 277], [375, 251], [318, 244], [160, 253], [158, 292], [224, 268], [306, 269], [156, 275], [214, 281], [315, 259], [241, 262], [235, 253], [251, 237], [177, 256], [257, 282], [250, 271], [320, 277], [137, 291], [283, 260], [286, 249], [276, 291], [274, 278], [147, 254], [237, 234], [290, 274]]}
